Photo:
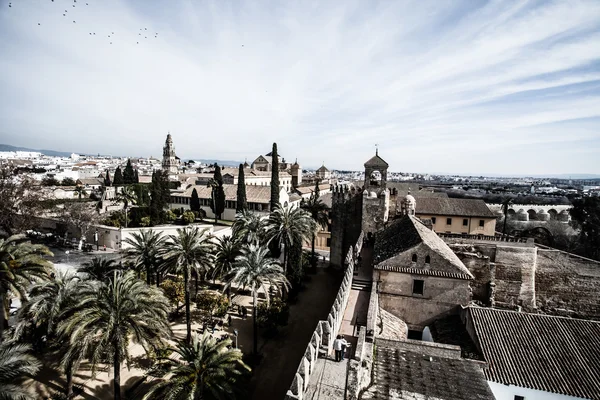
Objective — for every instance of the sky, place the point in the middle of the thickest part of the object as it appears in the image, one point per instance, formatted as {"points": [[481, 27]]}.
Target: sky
{"points": [[498, 87]]}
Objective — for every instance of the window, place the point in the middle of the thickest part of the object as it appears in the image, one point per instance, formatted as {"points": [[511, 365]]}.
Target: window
{"points": [[418, 286], [414, 335], [465, 222], [328, 242], [448, 221], [433, 220], [517, 397], [427, 260], [481, 223], [414, 258]]}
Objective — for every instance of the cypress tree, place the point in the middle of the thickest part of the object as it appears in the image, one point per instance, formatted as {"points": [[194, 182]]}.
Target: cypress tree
{"points": [[317, 191], [195, 201], [159, 196], [274, 177], [107, 179], [128, 174], [218, 194], [136, 176], [241, 203], [118, 178]]}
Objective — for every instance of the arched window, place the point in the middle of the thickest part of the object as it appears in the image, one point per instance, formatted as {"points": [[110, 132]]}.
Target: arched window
{"points": [[414, 258], [427, 259]]}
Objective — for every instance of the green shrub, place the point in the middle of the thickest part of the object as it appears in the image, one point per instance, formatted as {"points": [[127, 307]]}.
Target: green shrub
{"points": [[273, 316], [174, 291], [170, 216], [213, 304], [188, 217]]}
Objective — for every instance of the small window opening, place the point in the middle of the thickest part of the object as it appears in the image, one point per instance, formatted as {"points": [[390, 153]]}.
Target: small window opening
{"points": [[481, 223], [414, 258], [427, 260], [465, 222], [448, 221], [418, 286]]}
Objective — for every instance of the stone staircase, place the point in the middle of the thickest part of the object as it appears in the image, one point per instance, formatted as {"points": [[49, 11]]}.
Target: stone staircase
{"points": [[361, 284]]}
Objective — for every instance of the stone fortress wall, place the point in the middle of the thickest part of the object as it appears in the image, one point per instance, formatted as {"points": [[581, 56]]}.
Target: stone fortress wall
{"points": [[532, 276], [346, 214], [326, 331]]}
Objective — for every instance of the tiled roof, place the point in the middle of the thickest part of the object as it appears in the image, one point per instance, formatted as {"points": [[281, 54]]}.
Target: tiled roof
{"points": [[295, 197], [403, 374], [457, 207], [552, 354], [254, 194], [327, 199], [376, 161], [419, 271], [407, 232], [310, 189], [323, 169]]}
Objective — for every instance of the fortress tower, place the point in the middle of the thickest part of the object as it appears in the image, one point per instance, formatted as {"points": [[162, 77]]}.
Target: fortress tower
{"points": [[170, 162], [376, 196], [296, 172]]}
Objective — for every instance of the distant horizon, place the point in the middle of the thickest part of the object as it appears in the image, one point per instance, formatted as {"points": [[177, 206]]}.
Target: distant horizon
{"points": [[574, 176]]}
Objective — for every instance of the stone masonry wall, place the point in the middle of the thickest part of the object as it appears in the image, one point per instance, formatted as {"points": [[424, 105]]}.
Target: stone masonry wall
{"points": [[567, 285], [514, 274], [325, 332]]}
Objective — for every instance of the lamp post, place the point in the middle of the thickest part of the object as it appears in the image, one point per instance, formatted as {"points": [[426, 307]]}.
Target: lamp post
{"points": [[96, 239], [235, 333]]}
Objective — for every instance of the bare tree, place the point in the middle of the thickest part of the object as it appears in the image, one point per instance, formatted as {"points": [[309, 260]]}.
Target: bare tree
{"points": [[19, 202], [81, 216]]}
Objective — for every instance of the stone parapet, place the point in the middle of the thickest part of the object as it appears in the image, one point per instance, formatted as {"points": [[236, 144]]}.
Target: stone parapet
{"points": [[325, 331]]}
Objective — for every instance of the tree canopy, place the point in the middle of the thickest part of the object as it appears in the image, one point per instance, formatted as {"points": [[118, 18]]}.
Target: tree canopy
{"points": [[129, 174]]}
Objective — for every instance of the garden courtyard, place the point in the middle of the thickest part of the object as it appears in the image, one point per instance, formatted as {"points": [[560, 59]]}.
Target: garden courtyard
{"points": [[273, 369]]}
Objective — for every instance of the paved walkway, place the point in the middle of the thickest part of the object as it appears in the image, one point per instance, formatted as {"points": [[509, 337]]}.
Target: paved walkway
{"points": [[329, 378], [281, 355]]}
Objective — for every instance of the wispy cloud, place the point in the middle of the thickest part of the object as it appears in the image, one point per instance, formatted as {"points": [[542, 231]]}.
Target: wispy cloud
{"points": [[441, 86]]}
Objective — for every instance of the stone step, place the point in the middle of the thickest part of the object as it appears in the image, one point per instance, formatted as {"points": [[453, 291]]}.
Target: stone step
{"points": [[361, 284]]}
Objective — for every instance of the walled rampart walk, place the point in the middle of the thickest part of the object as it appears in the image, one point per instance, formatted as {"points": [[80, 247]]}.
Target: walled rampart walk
{"points": [[326, 331]]}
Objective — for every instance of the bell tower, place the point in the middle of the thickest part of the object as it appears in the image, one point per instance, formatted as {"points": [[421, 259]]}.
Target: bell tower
{"points": [[170, 162], [376, 197]]}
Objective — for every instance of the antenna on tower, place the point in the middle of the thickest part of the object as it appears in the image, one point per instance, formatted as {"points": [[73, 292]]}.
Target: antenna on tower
{"points": [[376, 149]]}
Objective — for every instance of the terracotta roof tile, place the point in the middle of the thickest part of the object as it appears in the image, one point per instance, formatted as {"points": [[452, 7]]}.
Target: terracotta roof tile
{"points": [[542, 352], [408, 232], [458, 207], [254, 193], [400, 374]]}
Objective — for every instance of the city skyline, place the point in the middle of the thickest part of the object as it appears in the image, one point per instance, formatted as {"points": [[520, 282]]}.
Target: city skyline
{"points": [[499, 88]]}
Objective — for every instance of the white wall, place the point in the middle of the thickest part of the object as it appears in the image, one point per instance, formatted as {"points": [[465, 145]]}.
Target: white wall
{"points": [[504, 392], [112, 237]]}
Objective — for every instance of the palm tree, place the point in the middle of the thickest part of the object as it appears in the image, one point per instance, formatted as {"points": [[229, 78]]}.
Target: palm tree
{"points": [[290, 227], [203, 369], [126, 196], [145, 251], [253, 270], [107, 316], [16, 363], [21, 263], [249, 228], [191, 249], [318, 211], [99, 268], [45, 308], [226, 252]]}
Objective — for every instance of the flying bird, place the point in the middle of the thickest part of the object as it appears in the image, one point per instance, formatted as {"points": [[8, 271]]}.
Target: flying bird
{"points": [[73, 21], [39, 23]]}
